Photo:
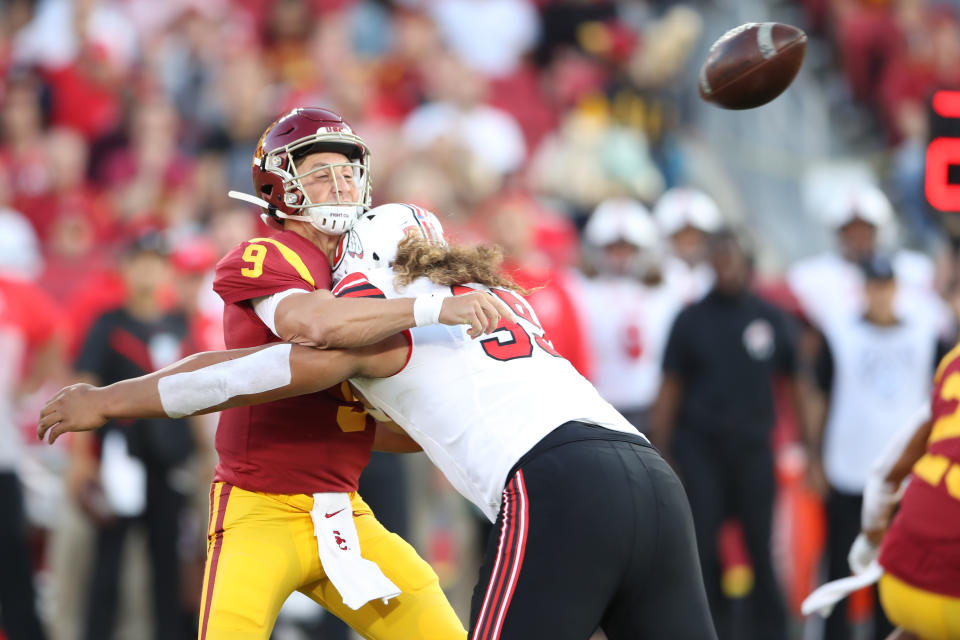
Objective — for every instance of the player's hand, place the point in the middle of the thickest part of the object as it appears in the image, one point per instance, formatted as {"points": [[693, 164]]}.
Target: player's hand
{"points": [[73, 408], [481, 310], [862, 553]]}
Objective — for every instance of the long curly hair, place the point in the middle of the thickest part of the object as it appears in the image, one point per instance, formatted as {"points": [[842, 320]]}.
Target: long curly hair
{"points": [[450, 265]]}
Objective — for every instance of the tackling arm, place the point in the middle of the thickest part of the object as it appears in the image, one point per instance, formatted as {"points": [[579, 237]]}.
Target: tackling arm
{"points": [[217, 380], [321, 320]]}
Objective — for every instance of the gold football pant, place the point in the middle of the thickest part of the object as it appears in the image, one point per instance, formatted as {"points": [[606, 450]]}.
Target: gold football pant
{"points": [[929, 615], [261, 548]]}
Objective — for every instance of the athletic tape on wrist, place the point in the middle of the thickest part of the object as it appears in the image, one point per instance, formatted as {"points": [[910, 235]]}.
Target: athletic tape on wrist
{"points": [[426, 309], [184, 394]]}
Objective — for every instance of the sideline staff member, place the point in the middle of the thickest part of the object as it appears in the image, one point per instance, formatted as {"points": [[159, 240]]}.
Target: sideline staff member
{"points": [[714, 414]]}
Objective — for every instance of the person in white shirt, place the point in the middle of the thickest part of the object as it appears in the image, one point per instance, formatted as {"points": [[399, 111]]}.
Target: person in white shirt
{"points": [[628, 306], [592, 528]]}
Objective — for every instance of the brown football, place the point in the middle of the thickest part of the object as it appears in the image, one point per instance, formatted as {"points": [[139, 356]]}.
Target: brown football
{"points": [[752, 64]]}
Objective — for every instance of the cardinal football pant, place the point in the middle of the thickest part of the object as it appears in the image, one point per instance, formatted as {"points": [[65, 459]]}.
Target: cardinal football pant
{"points": [[261, 547]]}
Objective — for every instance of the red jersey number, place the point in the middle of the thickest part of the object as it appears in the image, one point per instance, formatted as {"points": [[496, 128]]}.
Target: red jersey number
{"points": [[633, 342], [498, 346]]}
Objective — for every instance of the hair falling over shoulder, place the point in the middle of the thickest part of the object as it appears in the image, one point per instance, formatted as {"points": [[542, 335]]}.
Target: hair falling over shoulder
{"points": [[450, 265]]}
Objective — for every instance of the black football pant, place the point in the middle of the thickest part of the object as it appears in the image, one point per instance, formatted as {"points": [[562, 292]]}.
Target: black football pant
{"points": [[729, 476], [161, 518], [843, 526], [18, 613], [594, 531]]}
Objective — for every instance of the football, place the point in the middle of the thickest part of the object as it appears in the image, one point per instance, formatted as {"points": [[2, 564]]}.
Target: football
{"points": [[752, 64]]}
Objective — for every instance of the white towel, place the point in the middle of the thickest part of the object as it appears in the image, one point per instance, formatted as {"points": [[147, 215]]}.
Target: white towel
{"points": [[828, 595], [357, 579], [124, 478]]}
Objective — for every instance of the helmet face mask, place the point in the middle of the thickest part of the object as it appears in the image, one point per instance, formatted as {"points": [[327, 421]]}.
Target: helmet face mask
{"points": [[279, 183]]}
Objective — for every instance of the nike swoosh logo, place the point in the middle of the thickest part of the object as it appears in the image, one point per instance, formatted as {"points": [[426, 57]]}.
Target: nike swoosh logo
{"points": [[330, 515]]}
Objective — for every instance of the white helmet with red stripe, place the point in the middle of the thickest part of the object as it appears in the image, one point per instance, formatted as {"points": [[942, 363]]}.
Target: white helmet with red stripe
{"points": [[373, 241]]}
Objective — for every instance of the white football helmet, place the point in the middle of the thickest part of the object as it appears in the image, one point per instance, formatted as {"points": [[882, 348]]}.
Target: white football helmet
{"points": [[682, 207], [373, 241]]}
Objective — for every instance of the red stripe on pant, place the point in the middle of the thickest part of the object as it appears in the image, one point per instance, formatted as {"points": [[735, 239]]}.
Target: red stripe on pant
{"points": [[214, 556], [509, 562]]}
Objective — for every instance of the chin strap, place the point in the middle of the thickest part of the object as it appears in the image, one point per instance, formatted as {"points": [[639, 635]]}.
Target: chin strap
{"points": [[246, 197]]}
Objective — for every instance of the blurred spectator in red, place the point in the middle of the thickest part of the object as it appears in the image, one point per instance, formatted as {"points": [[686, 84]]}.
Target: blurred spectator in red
{"points": [[144, 176], [686, 217], [928, 62], [31, 350], [192, 261], [511, 221], [22, 154], [69, 194], [869, 38]]}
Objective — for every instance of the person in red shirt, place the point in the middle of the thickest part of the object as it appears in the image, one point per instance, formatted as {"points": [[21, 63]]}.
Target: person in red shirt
{"points": [[31, 350]]}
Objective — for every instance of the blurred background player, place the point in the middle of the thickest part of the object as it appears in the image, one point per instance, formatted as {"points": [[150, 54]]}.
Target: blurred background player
{"points": [[628, 307], [714, 415], [686, 217], [134, 472], [873, 371], [32, 346]]}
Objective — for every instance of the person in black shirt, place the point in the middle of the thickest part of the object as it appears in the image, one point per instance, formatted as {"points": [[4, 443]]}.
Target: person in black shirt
{"points": [[713, 418], [133, 340]]}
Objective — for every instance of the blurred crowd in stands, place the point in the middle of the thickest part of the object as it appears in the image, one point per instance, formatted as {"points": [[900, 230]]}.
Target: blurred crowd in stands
{"points": [[557, 129]]}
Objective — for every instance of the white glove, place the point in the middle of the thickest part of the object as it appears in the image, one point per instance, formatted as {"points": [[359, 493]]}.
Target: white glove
{"points": [[879, 498], [862, 554]]}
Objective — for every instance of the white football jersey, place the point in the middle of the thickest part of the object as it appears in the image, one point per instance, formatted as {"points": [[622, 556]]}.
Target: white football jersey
{"points": [[628, 325], [476, 406]]}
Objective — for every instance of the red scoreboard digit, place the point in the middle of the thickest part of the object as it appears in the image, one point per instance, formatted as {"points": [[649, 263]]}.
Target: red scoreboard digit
{"points": [[941, 183]]}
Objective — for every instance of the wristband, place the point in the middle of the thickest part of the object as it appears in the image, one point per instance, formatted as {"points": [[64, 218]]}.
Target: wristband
{"points": [[426, 309]]}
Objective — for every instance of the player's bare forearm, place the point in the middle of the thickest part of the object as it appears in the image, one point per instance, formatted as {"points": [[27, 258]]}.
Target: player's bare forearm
{"points": [[914, 450], [320, 320], [84, 407], [216, 380]]}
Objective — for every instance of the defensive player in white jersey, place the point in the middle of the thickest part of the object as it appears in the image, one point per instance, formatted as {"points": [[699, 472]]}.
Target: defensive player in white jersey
{"points": [[592, 527]]}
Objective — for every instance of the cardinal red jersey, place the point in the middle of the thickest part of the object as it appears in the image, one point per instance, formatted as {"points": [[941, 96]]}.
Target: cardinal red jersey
{"points": [[922, 546], [308, 444]]}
